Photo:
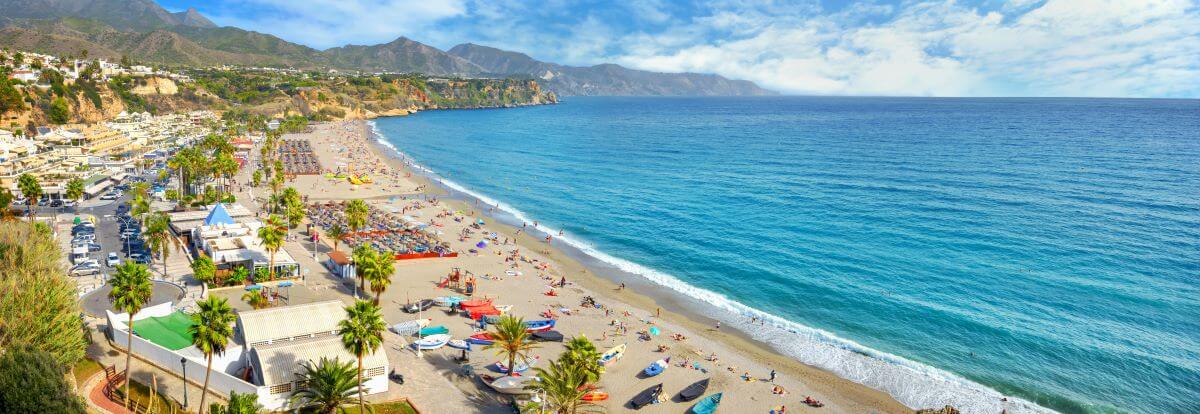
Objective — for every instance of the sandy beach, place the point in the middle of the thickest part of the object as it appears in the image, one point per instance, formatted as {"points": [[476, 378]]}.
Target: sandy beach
{"points": [[518, 269]]}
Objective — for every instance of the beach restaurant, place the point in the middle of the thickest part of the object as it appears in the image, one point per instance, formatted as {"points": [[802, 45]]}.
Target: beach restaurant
{"points": [[232, 243], [265, 358]]}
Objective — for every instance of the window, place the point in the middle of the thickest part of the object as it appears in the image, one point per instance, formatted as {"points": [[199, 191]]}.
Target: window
{"points": [[373, 372], [281, 388]]}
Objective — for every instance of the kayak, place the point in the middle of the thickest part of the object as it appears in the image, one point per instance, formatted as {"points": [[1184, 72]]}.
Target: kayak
{"points": [[419, 306], [482, 338], [655, 368], [432, 342], [646, 397], [694, 391], [521, 367], [595, 396], [542, 325], [612, 355], [433, 330], [708, 405]]}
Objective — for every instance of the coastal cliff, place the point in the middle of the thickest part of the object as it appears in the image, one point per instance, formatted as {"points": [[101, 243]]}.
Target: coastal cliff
{"points": [[270, 93]]}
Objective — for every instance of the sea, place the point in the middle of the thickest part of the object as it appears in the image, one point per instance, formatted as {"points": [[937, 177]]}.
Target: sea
{"points": [[1035, 255]]}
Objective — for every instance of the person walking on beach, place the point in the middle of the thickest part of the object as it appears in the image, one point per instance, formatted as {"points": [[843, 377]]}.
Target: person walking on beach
{"points": [[718, 325], [772, 376]]}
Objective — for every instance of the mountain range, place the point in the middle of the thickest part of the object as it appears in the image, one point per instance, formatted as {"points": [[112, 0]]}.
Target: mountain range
{"points": [[146, 32]]}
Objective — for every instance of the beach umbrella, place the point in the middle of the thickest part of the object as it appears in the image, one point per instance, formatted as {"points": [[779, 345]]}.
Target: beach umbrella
{"points": [[479, 222], [481, 244], [654, 330]]}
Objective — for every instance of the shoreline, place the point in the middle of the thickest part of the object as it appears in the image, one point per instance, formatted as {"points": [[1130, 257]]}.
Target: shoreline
{"points": [[841, 394]]}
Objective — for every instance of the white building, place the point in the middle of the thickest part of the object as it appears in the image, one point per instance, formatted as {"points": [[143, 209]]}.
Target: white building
{"points": [[231, 243]]}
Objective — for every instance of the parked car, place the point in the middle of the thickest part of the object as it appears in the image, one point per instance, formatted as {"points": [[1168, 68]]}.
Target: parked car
{"points": [[70, 203], [110, 196], [113, 259], [140, 258], [56, 203], [94, 247], [86, 268]]}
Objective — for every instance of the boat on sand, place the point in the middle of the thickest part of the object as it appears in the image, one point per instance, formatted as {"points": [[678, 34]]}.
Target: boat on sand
{"points": [[708, 405], [612, 355], [432, 342], [539, 325], [694, 391], [521, 366], [655, 368], [511, 385], [646, 397]]}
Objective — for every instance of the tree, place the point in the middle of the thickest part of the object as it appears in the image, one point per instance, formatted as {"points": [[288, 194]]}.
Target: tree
{"points": [[271, 236], [327, 385], [6, 199], [511, 340], [362, 334], [59, 112], [582, 354], [383, 264], [256, 178], [32, 381], [38, 302], [356, 215], [131, 290], [335, 233], [211, 331], [256, 299], [238, 404], [562, 385], [363, 256], [75, 189], [32, 190], [159, 238], [203, 269]]}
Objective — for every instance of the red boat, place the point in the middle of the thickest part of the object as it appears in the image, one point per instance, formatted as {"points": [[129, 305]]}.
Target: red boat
{"points": [[466, 305], [479, 312], [482, 338]]}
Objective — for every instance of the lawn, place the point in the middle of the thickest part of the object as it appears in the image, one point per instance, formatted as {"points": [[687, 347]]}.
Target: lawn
{"points": [[394, 407], [84, 369]]}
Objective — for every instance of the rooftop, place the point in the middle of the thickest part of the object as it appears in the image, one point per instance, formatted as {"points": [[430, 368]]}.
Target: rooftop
{"points": [[291, 323], [279, 364]]}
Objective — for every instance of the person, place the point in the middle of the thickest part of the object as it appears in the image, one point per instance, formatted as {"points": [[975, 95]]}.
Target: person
{"points": [[772, 376], [622, 287], [718, 324], [563, 282], [658, 312]]}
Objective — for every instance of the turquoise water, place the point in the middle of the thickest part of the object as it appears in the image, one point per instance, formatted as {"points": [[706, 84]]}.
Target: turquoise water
{"points": [[941, 250]]}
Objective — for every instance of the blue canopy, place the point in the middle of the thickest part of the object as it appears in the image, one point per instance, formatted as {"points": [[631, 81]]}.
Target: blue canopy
{"points": [[218, 215]]}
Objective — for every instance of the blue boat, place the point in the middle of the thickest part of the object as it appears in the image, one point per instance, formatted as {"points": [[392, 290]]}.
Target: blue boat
{"points": [[655, 368], [708, 405], [541, 325]]}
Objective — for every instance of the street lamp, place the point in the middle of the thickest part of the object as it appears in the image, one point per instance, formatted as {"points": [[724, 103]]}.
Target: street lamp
{"points": [[183, 362]]}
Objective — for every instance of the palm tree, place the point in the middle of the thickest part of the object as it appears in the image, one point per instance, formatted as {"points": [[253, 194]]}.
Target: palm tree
{"points": [[327, 385], [238, 404], [382, 267], [335, 232], [131, 290], [211, 330], [256, 299], [32, 191], [159, 237], [362, 334], [75, 189], [271, 235], [204, 270], [563, 386], [356, 215], [364, 258], [511, 340], [582, 354]]}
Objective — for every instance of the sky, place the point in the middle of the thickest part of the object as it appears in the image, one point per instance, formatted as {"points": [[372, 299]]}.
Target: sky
{"points": [[1107, 48]]}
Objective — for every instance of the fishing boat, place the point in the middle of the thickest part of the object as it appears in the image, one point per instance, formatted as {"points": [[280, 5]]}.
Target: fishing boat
{"points": [[419, 306], [540, 325], [655, 368], [694, 391], [595, 395], [433, 330], [646, 397], [410, 327], [432, 342], [459, 344], [512, 385], [708, 405], [612, 355], [448, 300], [479, 312], [521, 367], [548, 336]]}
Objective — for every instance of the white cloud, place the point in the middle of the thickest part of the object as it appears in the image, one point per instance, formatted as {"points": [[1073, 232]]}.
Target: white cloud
{"points": [[327, 23], [1058, 47]]}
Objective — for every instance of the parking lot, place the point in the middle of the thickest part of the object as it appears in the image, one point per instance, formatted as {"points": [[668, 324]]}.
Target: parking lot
{"points": [[111, 220]]}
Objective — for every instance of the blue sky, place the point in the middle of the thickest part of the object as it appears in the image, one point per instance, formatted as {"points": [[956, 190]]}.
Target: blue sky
{"points": [[1114, 48]]}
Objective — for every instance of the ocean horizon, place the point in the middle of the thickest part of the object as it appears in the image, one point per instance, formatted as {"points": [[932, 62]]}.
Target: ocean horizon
{"points": [[945, 251]]}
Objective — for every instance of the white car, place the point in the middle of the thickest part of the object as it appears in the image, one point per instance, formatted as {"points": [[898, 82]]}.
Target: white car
{"points": [[113, 259], [110, 196], [84, 268]]}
